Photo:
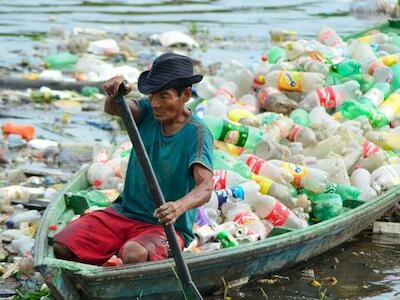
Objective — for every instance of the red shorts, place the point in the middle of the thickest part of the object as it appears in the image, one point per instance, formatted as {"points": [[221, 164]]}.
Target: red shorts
{"points": [[97, 236]]}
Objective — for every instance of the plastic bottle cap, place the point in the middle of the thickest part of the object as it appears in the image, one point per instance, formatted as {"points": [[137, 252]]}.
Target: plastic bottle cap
{"points": [[264, 57], [98, 182], [53, 227], [10, 224]]}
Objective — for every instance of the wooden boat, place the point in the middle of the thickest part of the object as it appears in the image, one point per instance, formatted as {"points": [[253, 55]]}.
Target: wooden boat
{"points": [[157, 280]]}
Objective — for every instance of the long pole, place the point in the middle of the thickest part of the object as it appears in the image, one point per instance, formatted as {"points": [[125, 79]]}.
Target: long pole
{"points": [[190, 289]]}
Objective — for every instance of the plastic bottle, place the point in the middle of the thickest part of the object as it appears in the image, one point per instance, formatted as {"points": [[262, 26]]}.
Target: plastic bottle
{"points": [[237, 113], [300, 117], [303, 177], [208, 232], [361, 179], [387, 140], [276, 54], [379, 92], [347, 68], [273, 100], [242, 214], [269, 208], [329, 37], [20, 193], [369, 62], [303, 82], [272, 150], [352, 109], [31, 216], [245, 191], [267, 169], [282, 35], [303, 135], [239, 135], [234, 71], [390, 108], [224, 161], [331, 96], [206, 88], [322, 122], [61, 60], [27, 131], [385, 177], [375, 38], [321, 150], [103, 175], [276, 190], [261, 71], [226, 239], [345, 191], [225, 179], [250, 102], [278, 129], [23, 245], [327, 206], [103, 47], [315, 66], [228, 148], [295, 49]]}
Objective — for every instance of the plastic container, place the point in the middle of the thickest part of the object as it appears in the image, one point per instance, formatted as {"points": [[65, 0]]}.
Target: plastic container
{"points": [[27, 131]]}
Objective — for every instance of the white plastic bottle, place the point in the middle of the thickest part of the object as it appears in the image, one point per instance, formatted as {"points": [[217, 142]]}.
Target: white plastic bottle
{"points": [[265, 168], [334, 143], [331, 96], [242, 214], [274, 211], [303, 135], [245, 191], [23, 245], [385, 177], [311, 179], [225, 179], [329, 37], [361, 179], [303, 82], [335, 166], [31, 216]]}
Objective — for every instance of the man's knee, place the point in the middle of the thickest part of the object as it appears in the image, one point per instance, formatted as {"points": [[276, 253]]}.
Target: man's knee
{"points": [[134, 252], [62, 252]]}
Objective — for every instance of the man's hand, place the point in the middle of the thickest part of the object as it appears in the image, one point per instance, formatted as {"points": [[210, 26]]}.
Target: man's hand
{"points": [[112, 85], [111, 88], [168, 213]]}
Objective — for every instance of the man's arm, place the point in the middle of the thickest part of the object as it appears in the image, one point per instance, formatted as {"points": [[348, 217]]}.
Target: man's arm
{"points": [[170, 211], [111, 89]]}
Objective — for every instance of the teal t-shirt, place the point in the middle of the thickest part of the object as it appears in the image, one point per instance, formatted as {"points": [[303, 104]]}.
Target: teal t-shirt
{"points": [[172, 157]]}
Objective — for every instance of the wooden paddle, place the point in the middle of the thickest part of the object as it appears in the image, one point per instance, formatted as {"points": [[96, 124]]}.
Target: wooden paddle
{"points": [[189, 288]]}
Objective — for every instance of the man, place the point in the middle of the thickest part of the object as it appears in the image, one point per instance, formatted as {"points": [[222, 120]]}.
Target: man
{"points": [[179, 146]]}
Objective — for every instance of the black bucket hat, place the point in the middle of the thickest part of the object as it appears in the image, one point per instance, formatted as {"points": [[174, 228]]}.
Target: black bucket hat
{"points": [[169, 70]]}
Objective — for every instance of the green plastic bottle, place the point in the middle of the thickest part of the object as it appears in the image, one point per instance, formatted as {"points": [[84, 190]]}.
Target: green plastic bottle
{"points": [[395, 84], [61, 60], [327, 206], [267, 118], [226, 239], [225, 161], [300, 117], [233, 133], [276, 54], [352, 109], [345, 191], [82, 200], [347, 68]]}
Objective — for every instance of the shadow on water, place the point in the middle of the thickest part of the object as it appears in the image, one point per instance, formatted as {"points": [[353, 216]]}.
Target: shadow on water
{"points": [[366, 267]]}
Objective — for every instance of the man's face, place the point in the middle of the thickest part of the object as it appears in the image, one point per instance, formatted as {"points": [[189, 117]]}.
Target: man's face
{"points": [[167, 104]]}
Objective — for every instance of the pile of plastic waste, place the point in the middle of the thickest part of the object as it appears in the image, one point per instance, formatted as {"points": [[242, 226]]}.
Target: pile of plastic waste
{"points": [[311, 128]]}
